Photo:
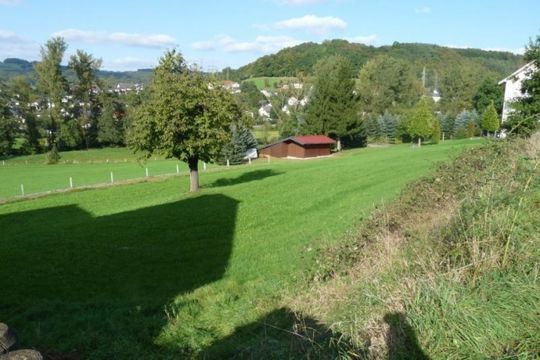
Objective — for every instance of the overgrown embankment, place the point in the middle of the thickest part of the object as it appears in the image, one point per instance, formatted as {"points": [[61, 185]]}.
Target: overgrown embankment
{"points": [[448, 270]]}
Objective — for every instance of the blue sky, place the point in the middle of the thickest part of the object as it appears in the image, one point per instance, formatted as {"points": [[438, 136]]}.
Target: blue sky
{"points": [[133, 34]]}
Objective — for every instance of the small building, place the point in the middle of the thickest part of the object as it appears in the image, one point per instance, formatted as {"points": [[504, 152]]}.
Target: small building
{"points": [[512, 87], [300, 147]]}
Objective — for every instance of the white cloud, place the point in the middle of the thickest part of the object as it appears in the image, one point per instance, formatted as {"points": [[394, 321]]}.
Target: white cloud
{"points": [[14, 45], [423, 10], [11, 37], [10, 2], [261, 44], [128, 63], [312, 23], [204, 45], [132, 39], [363, 39]]}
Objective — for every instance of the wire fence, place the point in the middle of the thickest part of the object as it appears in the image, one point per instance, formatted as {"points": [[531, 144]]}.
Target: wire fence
{"points": [[33, 180]]}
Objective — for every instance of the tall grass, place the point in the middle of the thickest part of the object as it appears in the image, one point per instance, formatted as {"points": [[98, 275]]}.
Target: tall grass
{"points": [[449, 270]]}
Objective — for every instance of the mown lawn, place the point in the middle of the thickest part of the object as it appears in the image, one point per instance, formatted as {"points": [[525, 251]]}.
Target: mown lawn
{"points": [[88, 167], [150, 271]]}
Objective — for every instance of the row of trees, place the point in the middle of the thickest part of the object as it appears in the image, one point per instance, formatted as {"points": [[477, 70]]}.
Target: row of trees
{"points": [[49, 113]]}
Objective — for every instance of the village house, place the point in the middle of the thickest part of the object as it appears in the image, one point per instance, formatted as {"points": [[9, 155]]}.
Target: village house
{"points": [[512, 87]]}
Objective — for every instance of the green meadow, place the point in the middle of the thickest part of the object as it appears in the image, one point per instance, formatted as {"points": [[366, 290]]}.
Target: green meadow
{"points": [[147, 270]]}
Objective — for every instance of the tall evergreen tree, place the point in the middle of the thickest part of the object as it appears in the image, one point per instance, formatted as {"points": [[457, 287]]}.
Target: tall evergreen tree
{"points": [[465, 121], [490, 119], [447, 125], [186, 116], [389, 125], [242, 140], [332, 109]]}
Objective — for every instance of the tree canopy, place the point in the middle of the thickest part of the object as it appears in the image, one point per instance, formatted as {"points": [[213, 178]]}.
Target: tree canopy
{"points": [[420, 121], [186, 116]]}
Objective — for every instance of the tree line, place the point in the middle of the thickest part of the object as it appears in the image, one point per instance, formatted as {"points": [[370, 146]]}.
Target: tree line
{"points": [[387, 102], [56, 114]]}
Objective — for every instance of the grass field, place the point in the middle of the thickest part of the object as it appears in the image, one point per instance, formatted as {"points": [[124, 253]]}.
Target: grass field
{"points": [[149, 271], [262, 82], [265, 138], [86, 168]]}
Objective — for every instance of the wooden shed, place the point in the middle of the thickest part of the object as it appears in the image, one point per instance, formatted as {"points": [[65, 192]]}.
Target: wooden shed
{"points": [[299, 147]]}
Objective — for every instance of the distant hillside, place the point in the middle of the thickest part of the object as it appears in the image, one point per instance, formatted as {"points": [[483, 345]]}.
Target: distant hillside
{"points": [[301, 58], [13, 67]]}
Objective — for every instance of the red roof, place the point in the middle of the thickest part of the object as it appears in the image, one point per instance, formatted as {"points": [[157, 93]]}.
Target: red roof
{"points": [[312, 140]]}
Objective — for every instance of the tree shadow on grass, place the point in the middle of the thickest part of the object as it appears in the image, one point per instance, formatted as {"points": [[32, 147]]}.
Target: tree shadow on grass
{"points": [[95, 287], [282, 334], [401, 339], [254, 175]]}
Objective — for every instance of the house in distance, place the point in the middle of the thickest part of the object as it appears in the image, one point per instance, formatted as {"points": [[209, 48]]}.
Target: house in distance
{"points": [[299, 147]]}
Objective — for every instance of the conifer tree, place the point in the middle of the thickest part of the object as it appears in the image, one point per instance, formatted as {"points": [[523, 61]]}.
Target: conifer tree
{"points": [[420, 121], [490, 119]]}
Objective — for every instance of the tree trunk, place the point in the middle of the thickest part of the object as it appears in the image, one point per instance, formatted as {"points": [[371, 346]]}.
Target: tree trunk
{"points": [[193, 164], [419, 142]]}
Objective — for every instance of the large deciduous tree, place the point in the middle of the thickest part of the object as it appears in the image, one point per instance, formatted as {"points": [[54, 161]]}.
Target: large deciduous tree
{"points": [[8, 124], [53, 86], [333, 106], [85, 67], [388, 84], [488, 92], [186, 116], [22, 91]]}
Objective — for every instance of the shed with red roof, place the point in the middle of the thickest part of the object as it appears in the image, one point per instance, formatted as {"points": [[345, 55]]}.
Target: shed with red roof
{"points": [[308, 146]]}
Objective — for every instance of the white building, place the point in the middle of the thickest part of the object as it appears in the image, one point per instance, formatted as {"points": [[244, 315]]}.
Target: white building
{"points": [[512, 87]]}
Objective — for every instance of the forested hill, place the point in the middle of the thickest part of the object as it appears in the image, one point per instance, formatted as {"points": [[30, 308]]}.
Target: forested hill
{"points": [[11, 67], [302, 58]]}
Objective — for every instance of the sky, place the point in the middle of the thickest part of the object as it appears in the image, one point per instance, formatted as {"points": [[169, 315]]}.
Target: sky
{"points": [[132, 34]]}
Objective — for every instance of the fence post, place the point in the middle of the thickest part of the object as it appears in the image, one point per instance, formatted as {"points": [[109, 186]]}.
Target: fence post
{"points": [[228, 164], [204, 166], [268, 158], [249, 160], [22, 189], [146, 172], [177, 169], [443, 137], [112, 178], [71, 182]]}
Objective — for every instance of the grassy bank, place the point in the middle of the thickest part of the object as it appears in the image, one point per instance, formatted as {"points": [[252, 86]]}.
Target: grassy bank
{"points": [[449, 270], [149, 271]]}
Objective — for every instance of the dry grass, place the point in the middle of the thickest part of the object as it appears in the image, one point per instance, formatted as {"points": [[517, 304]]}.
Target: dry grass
{"points": [[435, 247]]}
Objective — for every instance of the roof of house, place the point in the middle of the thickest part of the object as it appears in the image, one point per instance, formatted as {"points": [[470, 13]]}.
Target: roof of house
{"points": [[312, 140], [521, 69], [305, 140]]}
